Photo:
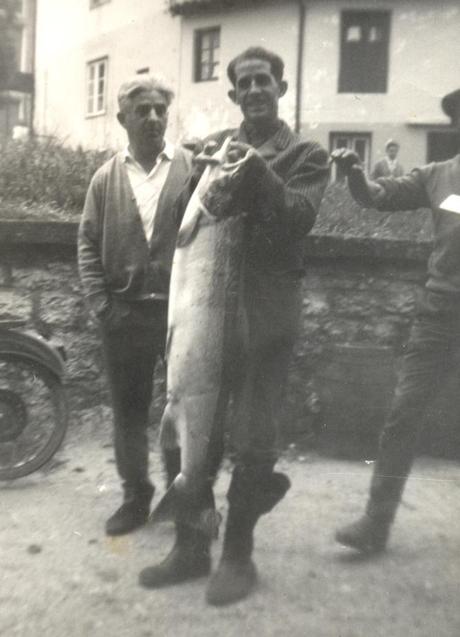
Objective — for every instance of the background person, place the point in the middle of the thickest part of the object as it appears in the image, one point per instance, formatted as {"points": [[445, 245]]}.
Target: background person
{"points": [[389, 166], [435, 336], [125, 246]]}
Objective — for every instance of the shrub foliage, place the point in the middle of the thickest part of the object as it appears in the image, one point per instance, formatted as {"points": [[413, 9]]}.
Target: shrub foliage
{"points": [[47, 172]]}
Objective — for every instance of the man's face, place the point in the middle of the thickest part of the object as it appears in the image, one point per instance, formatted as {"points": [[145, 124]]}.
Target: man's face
{"points": [[257, 91], [145, 117], [392, 151]]}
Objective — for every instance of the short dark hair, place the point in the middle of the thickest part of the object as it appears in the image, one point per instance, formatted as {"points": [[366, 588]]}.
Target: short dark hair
{"points": [[259, 53]]}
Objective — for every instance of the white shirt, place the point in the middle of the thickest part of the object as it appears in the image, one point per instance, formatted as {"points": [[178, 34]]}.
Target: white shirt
{"points": [[147, 187], [392, 163]]}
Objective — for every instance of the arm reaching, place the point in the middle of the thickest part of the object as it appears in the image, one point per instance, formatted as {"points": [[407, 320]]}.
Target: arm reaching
{"points": [[388, 193], [365, 191]]}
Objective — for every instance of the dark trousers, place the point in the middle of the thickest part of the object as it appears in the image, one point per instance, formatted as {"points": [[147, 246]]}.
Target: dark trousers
{"points": [[431, 353], [133, 340], [253, 392]]}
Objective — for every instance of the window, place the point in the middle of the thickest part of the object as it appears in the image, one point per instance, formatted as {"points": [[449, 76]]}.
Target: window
{"points": [[96, 86], [93, 4], [360, 143], [364, 52], [442, 145], [207, 50]]}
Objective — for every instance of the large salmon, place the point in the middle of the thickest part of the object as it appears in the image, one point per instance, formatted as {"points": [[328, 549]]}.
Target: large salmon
{"points": [[203, 313]]}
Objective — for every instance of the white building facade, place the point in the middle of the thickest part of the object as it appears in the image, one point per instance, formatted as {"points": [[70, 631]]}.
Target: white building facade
{"points": [[359, 71]]}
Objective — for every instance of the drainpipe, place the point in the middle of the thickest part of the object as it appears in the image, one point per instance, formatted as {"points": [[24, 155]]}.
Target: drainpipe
{"points": [[300, 50]]}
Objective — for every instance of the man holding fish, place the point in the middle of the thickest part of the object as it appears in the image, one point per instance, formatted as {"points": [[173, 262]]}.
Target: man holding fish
{"points": [[434, 342], [263, 182]]}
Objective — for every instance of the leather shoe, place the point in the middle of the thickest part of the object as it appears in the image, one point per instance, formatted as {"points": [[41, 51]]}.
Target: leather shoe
{"points": [[131, 515], [233, 580], [188, 559], [367, 534]]}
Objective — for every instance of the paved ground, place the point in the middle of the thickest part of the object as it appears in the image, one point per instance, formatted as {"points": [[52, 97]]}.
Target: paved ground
{"points": [[59, 574]]}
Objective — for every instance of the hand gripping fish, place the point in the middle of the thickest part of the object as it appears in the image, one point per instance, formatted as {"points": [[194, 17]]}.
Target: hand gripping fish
{"points": [[203, 313]]}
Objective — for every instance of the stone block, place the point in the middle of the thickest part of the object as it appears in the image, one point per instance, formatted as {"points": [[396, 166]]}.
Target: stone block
{"points": [[60, 309]]}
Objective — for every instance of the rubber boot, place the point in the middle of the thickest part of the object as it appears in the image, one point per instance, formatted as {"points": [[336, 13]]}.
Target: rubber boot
{"points": [[370, 533], [134, 511], [189, 559], [367, 534], [236, 574]]}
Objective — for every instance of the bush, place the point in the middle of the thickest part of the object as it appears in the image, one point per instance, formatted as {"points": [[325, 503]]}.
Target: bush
{"points": [[47, 172]]}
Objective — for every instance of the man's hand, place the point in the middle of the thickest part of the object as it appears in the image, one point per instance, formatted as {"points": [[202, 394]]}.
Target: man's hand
{"points": [[254, 164], [347, 160], [364, 191]]}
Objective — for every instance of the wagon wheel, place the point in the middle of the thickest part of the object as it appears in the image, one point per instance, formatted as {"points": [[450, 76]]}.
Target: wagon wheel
{"points": [[33, 416]]}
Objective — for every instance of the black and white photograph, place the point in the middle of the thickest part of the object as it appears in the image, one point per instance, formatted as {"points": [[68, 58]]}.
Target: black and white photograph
{"points": [[229, 318]]}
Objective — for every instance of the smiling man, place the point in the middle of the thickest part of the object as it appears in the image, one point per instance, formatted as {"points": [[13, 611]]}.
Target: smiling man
{"points": [[125, 247], [281, 191]]}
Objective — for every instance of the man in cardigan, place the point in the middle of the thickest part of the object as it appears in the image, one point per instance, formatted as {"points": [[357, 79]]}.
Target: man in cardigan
{"points": [[281, 192], [434, 343], [125, 246]]}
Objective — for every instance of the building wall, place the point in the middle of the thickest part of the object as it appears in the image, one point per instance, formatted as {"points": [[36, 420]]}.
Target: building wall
{"points": [[423, 42], [205, 106], [134, 34]]}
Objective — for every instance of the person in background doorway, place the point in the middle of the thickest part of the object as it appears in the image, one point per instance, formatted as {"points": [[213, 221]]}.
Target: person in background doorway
{"points": [[389, 166]]}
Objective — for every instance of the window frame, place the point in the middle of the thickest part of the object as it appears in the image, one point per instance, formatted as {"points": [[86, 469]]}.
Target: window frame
{"points": [[198, 64], [372, 83], [454, 138], [95, 95]]}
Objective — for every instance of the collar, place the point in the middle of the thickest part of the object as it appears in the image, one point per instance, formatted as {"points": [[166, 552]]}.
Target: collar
{"points": [[166, 153], [278, 141]]}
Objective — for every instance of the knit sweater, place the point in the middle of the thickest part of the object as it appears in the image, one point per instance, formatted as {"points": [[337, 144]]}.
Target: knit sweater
{"points": [[425, 187], [282, 201], [113, 254]]}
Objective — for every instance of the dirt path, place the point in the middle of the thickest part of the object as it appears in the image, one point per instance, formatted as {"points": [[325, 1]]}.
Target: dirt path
{"points": [[61, 576]]}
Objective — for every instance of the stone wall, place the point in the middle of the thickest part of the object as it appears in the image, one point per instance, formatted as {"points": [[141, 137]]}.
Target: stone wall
{"points": [[356, 291]]}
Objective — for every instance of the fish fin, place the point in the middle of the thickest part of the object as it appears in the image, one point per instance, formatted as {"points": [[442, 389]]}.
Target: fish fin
{"points": [[188, 229], [168, 507], [178, 506]]}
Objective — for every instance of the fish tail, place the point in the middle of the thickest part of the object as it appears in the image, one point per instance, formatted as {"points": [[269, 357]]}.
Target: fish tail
{"points": [[178, 506], [167, 508]]}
